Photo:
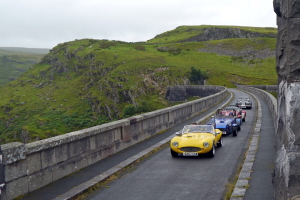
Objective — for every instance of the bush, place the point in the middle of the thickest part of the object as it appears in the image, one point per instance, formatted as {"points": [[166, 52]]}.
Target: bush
{"points": [[140, 48], [196, 76], [128, 111]]}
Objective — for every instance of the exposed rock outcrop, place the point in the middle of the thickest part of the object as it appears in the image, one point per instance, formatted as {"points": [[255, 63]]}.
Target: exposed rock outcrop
{"points": [[287, 171], [215, 33]]}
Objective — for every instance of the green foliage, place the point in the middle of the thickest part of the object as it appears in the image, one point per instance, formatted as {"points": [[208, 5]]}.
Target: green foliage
{"points": [[129, 110], [12, 66], [143, 107], [140, 48], [196, 76]]}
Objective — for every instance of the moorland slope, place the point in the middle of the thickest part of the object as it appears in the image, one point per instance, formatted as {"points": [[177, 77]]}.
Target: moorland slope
{"points": [[87, 82], [14, 61]]}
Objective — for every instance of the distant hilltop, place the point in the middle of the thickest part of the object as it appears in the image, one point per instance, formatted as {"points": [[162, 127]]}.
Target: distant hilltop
{"points": [[22, 50]]}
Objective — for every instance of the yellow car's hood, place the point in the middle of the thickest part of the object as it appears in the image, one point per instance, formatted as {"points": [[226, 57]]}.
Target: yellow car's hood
{"points": [[193, 139]]}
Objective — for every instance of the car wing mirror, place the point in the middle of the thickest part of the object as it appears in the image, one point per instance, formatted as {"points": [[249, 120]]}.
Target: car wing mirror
{"points": [[178, 133]]}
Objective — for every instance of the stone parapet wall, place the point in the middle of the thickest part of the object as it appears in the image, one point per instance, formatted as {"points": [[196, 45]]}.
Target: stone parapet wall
{"points": [[268, 88], [181, 93], [28, 167], [269, 98]]}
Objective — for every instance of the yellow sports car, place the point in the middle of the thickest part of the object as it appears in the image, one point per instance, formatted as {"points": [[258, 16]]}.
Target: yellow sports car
{"points": [[195, 140]]}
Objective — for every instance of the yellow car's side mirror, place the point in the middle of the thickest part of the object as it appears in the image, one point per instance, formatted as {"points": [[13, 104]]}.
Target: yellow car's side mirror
{"points": [[178, 134]]}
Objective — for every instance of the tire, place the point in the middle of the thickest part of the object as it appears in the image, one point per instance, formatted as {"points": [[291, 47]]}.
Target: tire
{"points": [[234, 132], [244, 119], [174, 154], [239, 127], [220, 143], [212, 152]]}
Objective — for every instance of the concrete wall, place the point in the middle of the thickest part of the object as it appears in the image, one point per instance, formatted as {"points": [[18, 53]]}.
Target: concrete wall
{"points": [[268, 88], [28, 167], [181, 93]]}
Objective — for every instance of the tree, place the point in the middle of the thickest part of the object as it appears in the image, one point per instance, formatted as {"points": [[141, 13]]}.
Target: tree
{"points": [[196, 76]]}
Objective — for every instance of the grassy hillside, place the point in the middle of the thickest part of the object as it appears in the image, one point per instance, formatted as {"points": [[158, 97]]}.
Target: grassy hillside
{"points": [[12, 64], [87, 82], [182, 33]]}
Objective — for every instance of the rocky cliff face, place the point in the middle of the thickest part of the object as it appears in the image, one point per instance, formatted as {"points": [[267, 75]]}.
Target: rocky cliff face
{"points": [[287, 171], [215, 33]]}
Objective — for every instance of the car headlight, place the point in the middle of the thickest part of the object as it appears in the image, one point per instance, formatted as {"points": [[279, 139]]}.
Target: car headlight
{"points": [[206, 144], [175, 144]]}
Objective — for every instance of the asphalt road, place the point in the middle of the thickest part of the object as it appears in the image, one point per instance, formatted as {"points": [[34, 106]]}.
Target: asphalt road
{"points": [[67, 183], [163, 177], [261, 178]]}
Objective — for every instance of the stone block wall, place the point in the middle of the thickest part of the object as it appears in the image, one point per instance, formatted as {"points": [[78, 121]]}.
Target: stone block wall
{"points": [[268, 88], [27, 167], [287, 178], [181, 93]]}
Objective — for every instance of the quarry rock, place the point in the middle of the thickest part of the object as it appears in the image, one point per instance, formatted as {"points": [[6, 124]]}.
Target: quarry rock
{"points": [[286, 174]]}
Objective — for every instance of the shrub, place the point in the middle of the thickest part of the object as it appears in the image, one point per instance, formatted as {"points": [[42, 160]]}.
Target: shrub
{"points": [[140, 48], [128, 111], [196, 76]]}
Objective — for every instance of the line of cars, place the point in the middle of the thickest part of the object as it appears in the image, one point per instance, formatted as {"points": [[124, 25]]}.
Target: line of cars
{"points": [[195, 139]]}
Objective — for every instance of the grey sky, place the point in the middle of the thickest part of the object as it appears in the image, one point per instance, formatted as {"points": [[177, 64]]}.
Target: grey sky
{"points": [[45, 23]]}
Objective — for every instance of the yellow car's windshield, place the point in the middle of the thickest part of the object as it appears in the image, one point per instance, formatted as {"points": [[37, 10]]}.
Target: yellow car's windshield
{"points": [[198, 129]]}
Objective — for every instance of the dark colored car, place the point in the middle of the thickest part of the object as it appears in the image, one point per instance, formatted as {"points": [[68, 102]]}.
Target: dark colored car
{"points": [[244, 102], [228, 124]]}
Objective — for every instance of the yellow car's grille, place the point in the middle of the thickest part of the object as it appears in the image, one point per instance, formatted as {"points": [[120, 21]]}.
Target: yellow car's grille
{"points": [[190, 149]]}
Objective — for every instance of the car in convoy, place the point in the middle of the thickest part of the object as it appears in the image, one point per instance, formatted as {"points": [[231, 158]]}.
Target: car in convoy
{"points": [[244, 102], [237, 111], [195, 140], [228, 124]]}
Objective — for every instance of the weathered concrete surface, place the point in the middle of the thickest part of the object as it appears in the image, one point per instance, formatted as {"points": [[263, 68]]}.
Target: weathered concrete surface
{"points": [[286, 177], [268, 88], [181, 93]]}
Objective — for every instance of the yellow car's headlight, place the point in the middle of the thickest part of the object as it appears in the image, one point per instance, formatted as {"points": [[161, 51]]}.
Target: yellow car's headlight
{"points": [[206, 144], [175, 144]]}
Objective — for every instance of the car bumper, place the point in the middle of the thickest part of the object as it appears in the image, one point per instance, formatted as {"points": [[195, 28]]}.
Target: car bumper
{"points": [[202, 151]]}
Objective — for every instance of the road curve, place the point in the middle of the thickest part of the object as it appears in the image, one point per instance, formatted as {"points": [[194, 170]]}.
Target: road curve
{"points": [[161, 176]]}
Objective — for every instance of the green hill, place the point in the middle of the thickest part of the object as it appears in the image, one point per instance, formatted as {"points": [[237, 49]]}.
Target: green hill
{"points": [[22, 50], [87, 82], [15, 61]]}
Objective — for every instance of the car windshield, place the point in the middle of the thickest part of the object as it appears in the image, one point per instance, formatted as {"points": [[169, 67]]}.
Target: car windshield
{"points": [[198, 128], [224, 117], [244, 98], [227, 112]]}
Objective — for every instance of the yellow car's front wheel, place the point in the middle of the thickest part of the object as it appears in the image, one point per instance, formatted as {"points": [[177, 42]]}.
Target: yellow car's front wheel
{"points": [[174, 154], [212, 152]]}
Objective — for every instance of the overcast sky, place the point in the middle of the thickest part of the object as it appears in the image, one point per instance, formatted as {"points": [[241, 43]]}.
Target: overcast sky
{"points": [[46, 23]]}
